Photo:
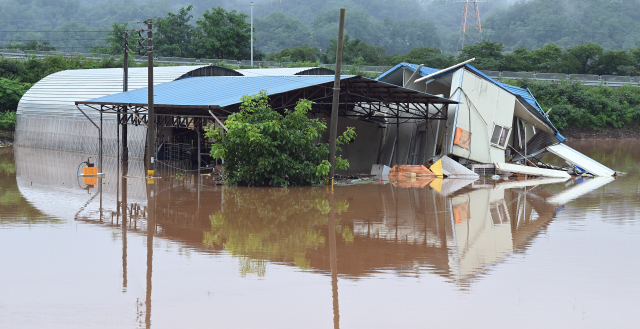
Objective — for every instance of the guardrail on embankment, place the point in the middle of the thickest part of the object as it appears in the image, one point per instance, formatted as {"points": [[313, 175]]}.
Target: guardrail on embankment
{"points": [[586, 79]]}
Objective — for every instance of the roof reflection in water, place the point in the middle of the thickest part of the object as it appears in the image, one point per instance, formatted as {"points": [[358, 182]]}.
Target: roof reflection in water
{"points": [[456, 229]]}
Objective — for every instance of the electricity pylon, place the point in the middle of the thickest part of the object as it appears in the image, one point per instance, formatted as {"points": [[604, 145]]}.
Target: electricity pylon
{"points": [[470, 28]]}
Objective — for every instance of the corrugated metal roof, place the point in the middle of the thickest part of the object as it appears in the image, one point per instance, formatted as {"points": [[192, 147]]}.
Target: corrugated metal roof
{"points": [[220, 91], [517, 91], [57, 93], [525, 94], [274, 71], [424, 71]]}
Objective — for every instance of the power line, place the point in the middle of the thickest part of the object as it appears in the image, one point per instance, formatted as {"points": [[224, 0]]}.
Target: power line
{"points": [[77, 47], [53, 31], [552, 30], [53, 20], [48, 40]]}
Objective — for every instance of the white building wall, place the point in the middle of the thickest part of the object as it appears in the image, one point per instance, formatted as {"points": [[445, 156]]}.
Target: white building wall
{"points": [[483, 104]]}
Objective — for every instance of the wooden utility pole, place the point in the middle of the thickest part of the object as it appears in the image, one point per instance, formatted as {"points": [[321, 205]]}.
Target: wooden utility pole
{"points": [[125, 87], [151, 122], [336, 99]]}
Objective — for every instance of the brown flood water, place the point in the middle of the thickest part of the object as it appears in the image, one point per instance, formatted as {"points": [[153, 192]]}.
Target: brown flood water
{"points": [[185, 253]]}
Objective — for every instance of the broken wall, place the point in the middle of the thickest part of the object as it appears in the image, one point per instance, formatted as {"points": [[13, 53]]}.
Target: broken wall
{"points": [[483, 104]]}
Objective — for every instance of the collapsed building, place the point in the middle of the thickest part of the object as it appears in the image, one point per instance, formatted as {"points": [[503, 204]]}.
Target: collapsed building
{"points": [[493, 123], [408, 115]]}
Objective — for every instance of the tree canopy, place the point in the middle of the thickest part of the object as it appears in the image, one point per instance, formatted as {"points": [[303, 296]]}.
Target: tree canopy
{"points": [[265, 148]]}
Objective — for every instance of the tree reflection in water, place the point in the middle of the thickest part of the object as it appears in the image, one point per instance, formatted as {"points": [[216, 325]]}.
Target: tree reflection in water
{"points": [[273, 225]]}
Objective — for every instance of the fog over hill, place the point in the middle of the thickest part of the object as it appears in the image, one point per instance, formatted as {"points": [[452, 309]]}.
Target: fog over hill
{"points": [[396, 25]]}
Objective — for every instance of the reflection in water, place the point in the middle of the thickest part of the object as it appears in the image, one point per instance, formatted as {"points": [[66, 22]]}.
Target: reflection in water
{"points": [[455, 229], [150, 231], [278, 225], [122, 211], [15, 208], [379, 228], [333, 254]]}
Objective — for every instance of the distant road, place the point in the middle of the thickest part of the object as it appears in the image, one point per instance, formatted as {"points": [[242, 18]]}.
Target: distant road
{"points": [[586, 79]]}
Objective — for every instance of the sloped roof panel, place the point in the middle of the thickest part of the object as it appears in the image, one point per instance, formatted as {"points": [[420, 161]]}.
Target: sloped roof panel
{"points": [[214, 91], [424, 71], [57, 93]]}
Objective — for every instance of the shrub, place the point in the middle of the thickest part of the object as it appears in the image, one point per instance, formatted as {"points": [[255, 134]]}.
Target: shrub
{"points": [[7, 120], [577, 105], [265, 148]]}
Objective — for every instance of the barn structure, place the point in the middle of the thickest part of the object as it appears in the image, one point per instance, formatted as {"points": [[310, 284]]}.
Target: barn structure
{"points": [[194, 102], [47, 116]]}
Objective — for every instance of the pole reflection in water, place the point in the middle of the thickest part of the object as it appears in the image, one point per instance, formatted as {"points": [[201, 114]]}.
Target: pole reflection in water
{"points": [[333, 259], [125, 222], [150, 231]]}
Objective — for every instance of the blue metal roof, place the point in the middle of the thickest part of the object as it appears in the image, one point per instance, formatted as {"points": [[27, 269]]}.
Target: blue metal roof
{"points": [[220, 91], [413, 67], [525, 94]]}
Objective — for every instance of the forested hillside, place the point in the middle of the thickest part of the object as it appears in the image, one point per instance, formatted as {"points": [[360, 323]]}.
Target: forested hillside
{"points": [[395, 25], [612, 24]]}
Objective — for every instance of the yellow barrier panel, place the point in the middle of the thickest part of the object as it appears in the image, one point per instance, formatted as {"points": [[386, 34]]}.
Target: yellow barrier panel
{"points": [[437, 184], [436, 168]]}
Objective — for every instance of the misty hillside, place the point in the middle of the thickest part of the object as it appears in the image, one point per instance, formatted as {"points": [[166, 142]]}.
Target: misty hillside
{"points": [[396, 25], [612, 24]]}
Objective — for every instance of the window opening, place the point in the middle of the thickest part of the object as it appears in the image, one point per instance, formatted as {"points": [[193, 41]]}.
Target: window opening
{"points": [[500, 136]]}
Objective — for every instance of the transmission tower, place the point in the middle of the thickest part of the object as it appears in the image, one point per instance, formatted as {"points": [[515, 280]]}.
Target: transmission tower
{"points": [[470, 28]]}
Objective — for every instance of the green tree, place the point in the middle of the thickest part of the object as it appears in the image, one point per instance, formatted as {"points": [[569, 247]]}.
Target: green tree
{"points": [[265, 148], [10, 93], [174, 35], [547, 58], [488, 55], [277, 32], [576, 105], [8, 120], [518, 60], [429, 56], [223, 34], [614, 62], [355, 51], [115, 41], [581, 59], [304, 53]]}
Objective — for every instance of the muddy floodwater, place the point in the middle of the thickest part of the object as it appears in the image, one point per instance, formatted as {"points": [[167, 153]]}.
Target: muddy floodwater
{"points": [[187, 253]]}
